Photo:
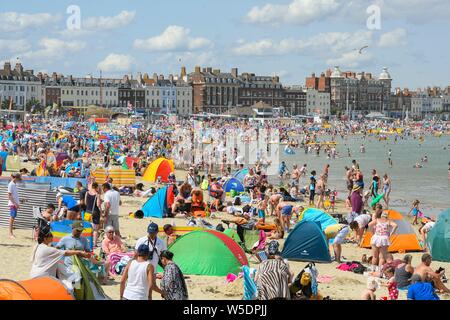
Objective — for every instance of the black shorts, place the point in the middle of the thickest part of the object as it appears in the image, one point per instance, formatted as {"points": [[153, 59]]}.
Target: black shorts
{"points": [[95, 217], [312, 193]]}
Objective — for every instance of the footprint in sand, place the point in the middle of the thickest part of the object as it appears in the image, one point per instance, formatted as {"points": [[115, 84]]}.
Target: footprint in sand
{"points": [[348, 281]]}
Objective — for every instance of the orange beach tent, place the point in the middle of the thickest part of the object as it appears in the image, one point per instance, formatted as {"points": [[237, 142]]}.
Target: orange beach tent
{"points": [[403, 240], [159, 168], [44, 288]]}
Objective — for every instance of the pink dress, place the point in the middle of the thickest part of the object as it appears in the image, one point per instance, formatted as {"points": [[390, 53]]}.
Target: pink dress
{"points": [[381, 236]]}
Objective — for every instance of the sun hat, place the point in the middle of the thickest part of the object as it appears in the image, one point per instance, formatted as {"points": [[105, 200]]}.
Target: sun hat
{"points": [[152, 228]]}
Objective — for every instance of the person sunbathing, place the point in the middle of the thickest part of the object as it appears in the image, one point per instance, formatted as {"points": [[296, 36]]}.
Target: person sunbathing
{"points": [[426, 274]]}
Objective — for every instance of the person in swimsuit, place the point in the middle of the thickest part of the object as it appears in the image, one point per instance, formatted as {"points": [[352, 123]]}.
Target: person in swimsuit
{"points": [[380, 240], [415, 211], [404, 272], [386, 189], [284, 212]]}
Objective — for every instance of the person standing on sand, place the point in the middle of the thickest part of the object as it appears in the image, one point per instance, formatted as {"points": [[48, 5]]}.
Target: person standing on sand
{"points": [[380, 241], [112, 205], [13, 201], [386, 189]]}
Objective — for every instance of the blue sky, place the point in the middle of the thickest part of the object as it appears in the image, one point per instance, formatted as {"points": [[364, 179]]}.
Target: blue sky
{"points": [[290, 38]]}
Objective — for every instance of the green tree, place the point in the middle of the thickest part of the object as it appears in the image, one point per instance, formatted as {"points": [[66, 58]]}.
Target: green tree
{"points": [[5, 105], [33, 102]]}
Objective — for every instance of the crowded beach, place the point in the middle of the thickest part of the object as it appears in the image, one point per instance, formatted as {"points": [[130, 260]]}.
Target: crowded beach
{"points": [[180, 209]]}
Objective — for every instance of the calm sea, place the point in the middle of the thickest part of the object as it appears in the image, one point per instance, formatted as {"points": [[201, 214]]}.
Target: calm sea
{"points": [[429, 184]]}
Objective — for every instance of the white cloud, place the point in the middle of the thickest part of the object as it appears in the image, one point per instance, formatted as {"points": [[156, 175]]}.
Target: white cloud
{"points": [[123, 19], [351, 59], [20, 45], [53, 49], [116, 62], [14, 21], [323, 43], [416, 11], [393, 38], [297, 12], [174, 38]]}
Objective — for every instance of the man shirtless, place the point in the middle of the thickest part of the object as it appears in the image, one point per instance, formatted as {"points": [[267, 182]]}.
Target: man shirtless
{"points": [[295, 176], [424, 271], [274, 200]]}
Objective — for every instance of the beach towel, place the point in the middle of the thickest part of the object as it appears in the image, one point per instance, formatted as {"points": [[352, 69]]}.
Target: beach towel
{"points": [[120, 266], [115, 258], [250, 289]]}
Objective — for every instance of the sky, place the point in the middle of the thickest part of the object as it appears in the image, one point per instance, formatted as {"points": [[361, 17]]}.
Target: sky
{"points": [[288, 38]]}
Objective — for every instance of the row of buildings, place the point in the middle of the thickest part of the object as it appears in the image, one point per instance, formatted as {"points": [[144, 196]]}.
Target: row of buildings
{"points": [[207, 90]]}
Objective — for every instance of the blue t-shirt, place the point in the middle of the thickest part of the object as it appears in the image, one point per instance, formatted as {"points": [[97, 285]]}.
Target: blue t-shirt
{"points": [[71, 243], [422, 291], [69, 201]]}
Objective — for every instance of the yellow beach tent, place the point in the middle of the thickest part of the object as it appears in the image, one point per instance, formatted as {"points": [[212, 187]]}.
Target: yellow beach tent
{"points": [[161, 167]]}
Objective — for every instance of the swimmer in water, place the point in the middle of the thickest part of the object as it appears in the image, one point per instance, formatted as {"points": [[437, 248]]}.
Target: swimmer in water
{"points": [[390, 158]]}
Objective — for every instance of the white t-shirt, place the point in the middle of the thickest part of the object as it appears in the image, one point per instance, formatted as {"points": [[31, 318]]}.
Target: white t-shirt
{"points": [[12, 188], [363, 220], [113, 198], [160, 247], [45, 261]]}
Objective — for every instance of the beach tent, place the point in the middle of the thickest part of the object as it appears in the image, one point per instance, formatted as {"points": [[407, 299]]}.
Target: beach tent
{"points": [[12, 290], [63, 228], [306, 242], [232, 234], [233, 184], [47, 288], [121, 177], [161, 167], [317, 215], [403, 240], [156, 206], [438, 239], [208, 252], [240, 175], [44, 288], [90, 288]]}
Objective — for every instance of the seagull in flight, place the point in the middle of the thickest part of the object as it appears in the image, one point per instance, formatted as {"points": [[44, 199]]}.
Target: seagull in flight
{"points": [[360, 50]]}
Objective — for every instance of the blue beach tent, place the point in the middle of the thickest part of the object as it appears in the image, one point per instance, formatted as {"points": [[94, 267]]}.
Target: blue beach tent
{"points": [[233, 184], [240, 175], [306, 242], [317, 215], [156, 206]]}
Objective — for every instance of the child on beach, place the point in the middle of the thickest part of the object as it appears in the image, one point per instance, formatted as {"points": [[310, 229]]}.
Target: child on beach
{"points": [[415, 211], [369, 293], [391, 283], [333, 195], [262, 207]]}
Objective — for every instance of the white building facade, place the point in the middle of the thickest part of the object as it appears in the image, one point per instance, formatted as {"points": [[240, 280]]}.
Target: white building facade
{"points": [[19, 86], [88, 91]]}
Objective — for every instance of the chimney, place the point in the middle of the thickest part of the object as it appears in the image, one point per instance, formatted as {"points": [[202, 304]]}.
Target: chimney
{"points": [[313, 75], [161, 77], [183, 72], [54, 76], [197, 69], [234, 72], [7, 67], [155, 77], [171, 77], [209, 69], [216, 72]]}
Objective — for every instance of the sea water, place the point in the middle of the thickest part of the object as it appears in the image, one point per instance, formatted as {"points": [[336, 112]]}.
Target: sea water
{"points": [[430, 184]]}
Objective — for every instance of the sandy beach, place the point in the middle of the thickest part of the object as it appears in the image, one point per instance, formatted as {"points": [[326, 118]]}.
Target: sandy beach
{"points": [[15, 261]]}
